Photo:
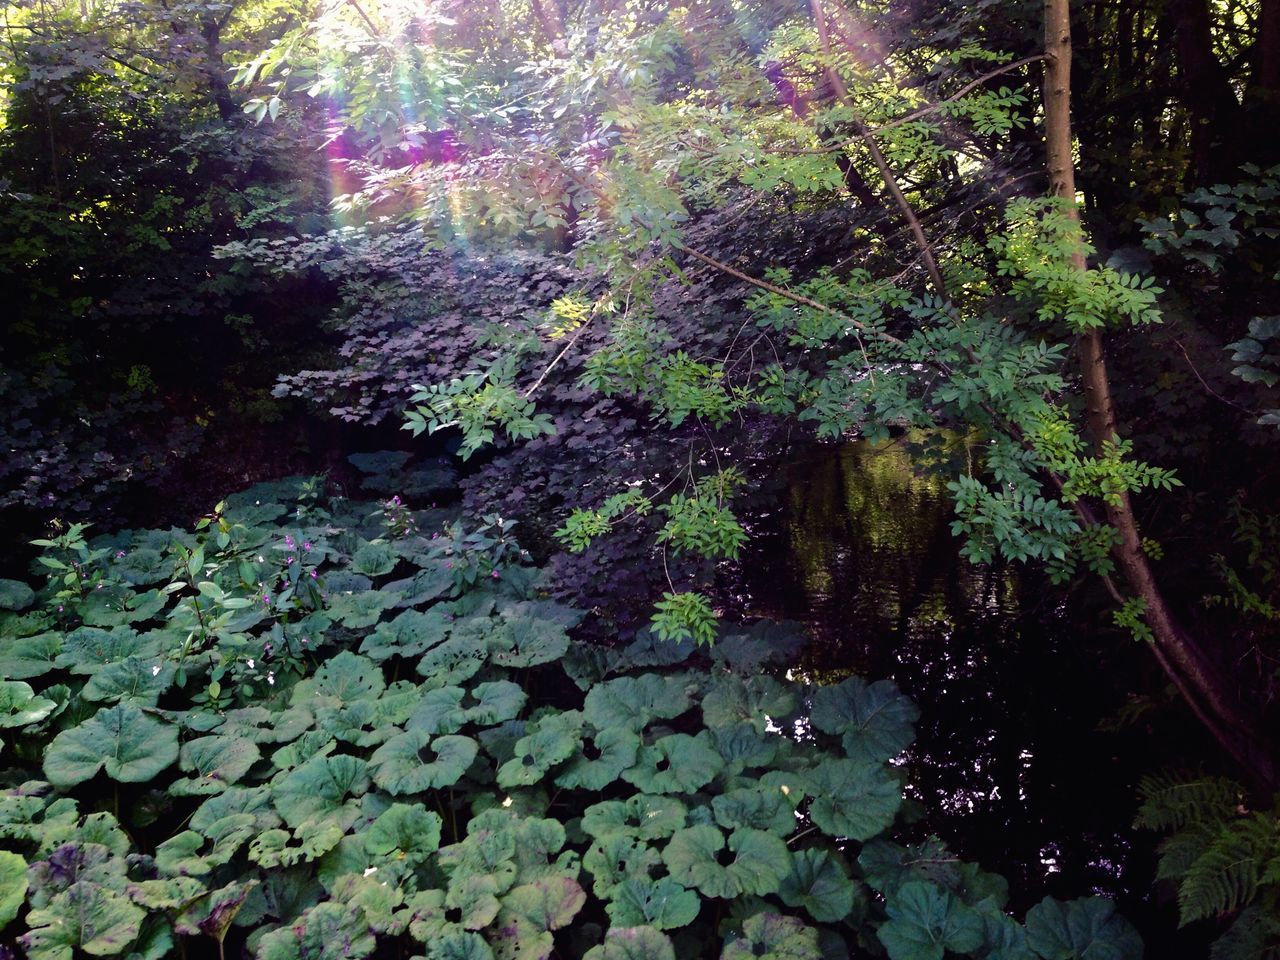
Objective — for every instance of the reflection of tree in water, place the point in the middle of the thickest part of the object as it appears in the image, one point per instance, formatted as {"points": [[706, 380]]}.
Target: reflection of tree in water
{"points": [[1009, 765]]}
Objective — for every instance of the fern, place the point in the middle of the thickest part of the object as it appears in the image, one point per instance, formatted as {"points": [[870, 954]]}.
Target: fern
{"points": [[1226, 876], [1169, 803]]}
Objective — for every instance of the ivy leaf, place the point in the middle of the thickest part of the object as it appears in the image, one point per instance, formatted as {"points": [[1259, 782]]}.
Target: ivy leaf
{"points": [[132, 746], [926, 921], [875, 720], [662, 904], [138, 680], [1085, 929], [13, 886], [415, 761], [818, 883], [633, 943], [773, 937], [601, 760], [217, 762], [852, 799], [19, 705], [634, 702], [755, 862], [675, 764], [85, 916]]}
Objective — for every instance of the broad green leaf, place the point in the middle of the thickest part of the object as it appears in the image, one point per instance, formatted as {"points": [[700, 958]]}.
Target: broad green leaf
{"points": [[819, 883], [633, 943], [600, 760], [415, 761], [85, 916], [344, 678], [616, 857], [662, 904], [15, 595], [548, 744], [359, 610], [875, 721], [1085, 929], [754, 862], [410, 634], [179, 856], [216, 762], [138, 680], [634, 702], [675, 764], [926, 921], [375, 558], [320, 788], [132, 747], [547, 904], [533, 642], [28, 657], [404, 832], [19, 705], [455, 660], [743, 747], [88, 649], [852, 799], [459, 945], [732, 700], [757, 808], [644, 816], [328, 931], [773, 937], [448, 709], [13, 886]]}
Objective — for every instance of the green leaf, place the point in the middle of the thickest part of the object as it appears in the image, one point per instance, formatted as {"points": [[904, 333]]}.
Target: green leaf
{"points": [[319, 789], [375, 558], [852, 798], [616, 857], [359, 610], [633, 943], [757, 808], [408, 635], [534, 642], [675, 764], [131, 680], [404, 832], [755, 862], [925, 921], [328, 931], [87, 917], [15, 595], [662, 904], [415, 761], [634, 702], [732, 700], [875, 721], [548, 904], [28, 657], [602, 758], [449, 709], [819, 883], [19, 705], [216, 762], [345, 678], [644, 816], [773, 937], [89, 649], [548, 744], [132, 746], [13, 886], [1086, 929]]}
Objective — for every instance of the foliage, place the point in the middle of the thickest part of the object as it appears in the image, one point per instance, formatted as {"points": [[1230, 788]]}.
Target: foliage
{"points": [[284, 773], [1223, 857]]}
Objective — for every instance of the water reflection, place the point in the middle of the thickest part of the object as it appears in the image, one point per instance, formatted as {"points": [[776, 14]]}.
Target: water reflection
{"points": [[1009, 767]]}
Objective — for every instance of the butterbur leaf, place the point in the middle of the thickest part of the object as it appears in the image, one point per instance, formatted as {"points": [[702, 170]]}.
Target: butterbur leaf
{"points": [[753, 863], [178, 856], [404, 832], [375, 558], [744, 747], [547, 904], [455, 660], [875, 721], [410, 634], [773, 937], [634, 702], [345, 678], [633, 943], [415, 761], [601, 759], [167, 894], [19, 705], [216, 762], [818, 883], [133, 680], [852, 799], [212, 913], [548, 744], [615, 858], [675, 764], [15, 595], [364, 609], [733, 700], [926, 921], [887, 865], [662, 904], [449, 709], [13, 886], [1086, 929], [644, 816], [132, 747], [756, 808], [534, 642], [328, 931], [474, 898], [88, 917], [459, 945], [319, 788], [88, 649], [28, 657]]}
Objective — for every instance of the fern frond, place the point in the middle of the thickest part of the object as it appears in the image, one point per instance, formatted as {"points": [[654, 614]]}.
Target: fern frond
{"points": [[1184, 848], [1225, 877], [1169, 803]]}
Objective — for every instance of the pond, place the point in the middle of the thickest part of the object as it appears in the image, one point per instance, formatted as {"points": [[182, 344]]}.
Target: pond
{"points": [[1021, 762]]}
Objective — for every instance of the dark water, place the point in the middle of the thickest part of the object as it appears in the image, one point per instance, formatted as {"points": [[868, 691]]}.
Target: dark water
{"points": [[1017, 764]]}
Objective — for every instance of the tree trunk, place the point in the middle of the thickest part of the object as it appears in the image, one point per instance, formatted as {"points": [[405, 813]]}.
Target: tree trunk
{"points": [[1192, 671]]}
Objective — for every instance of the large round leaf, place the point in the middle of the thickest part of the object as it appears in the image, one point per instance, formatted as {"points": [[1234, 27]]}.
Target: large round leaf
{"points": [[818, 883], [548, 744], [415, 761], [875, 721], [675, 764], [15, 595], [731, 700], [1086, 929], [633, 943], [756, 808], [88, 917], [408, 635], [644, 816], [87, 649], [132, 746], [926, 921], [773, 937], [320, 788], [13, 885], [852, 798], [19, 705], [134, 679], [215, 762], [533, 642], [601, 759], [754, 863], [616, 857], [634, 702], [344, 678], [408, 832], [662, 904], [28, 657]]}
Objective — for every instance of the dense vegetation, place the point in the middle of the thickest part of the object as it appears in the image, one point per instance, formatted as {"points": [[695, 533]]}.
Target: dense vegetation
{"points": [[599, 267]]}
